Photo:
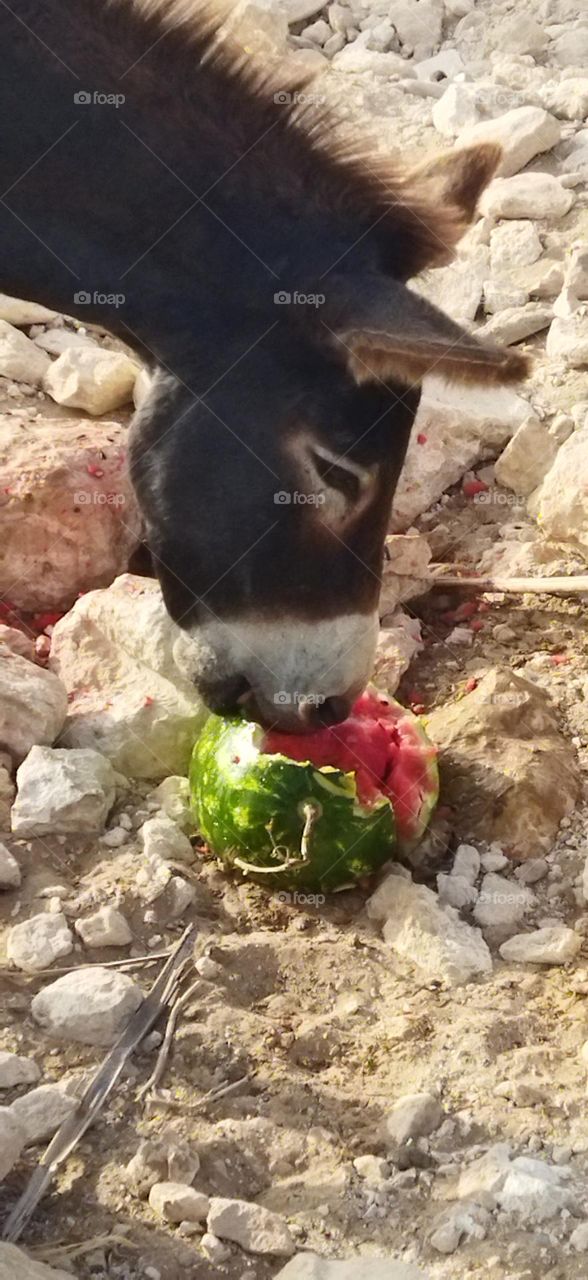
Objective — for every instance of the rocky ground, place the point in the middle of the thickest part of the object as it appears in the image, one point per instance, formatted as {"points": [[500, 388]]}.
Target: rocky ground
{"points": [[394, 1076]]}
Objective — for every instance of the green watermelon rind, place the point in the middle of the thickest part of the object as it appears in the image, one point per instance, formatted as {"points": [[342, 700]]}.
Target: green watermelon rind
{"points": [[250, 807]]}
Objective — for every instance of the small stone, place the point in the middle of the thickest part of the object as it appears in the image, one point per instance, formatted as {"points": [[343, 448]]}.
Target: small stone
{"points": [[162, 838], [20, 359], [430, 936], [12, 1141], [251, 1226], [456, 891], [534, 1190], [533, 871], [173, 797], [115, 838], [106, 928], [15, 1264], [373, 1170], [356, 58], [309, 1266], [485, 1175], [494, 860], [175, 1202], [91, 378], [41, 1111], [501, 902], [527, 458], [60, 790], [178, 896], [465, 1221], [209, 969], [555, 945], [213, 1248], [22, 314], [514, 324], [10, 876], [36, 943], [164, 1158], [514, 244], [466, 863], [91, 1006], [523, 134], [568, 340], [579, 1238], [33, 704], [414, 1116], [520, 33], [15, 1070]]}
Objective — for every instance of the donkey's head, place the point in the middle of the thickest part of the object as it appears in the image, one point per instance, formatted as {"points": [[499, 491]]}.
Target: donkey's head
{"points": [[267, 498]]}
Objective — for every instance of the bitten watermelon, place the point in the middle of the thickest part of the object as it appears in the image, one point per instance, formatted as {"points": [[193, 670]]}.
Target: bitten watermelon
{"points": [[318, 810]]}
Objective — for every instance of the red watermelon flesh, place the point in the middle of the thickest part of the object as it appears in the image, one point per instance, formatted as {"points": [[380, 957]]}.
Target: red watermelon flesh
{"points": [[386, 748]]}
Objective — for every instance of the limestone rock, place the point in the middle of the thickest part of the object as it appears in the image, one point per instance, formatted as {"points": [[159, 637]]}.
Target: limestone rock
{"points": [[568, 340], [559, 504], [430, 936], [570, 49], [309, 1266], [465, 1221], [520, 33], [107, 927], [21, 314], [33, 705], [17, 1265], [399, 640], [12, 1141], [249, 1225], [56, 341], [418, 25], [162, 1158], [553, 945], [36, 943], [10, 874], [117, 647], [91, 1006], [91, 378], [63, 791], [69, 518], [514, 324], [414, 1116], [567, 98], [514, 244], [504, 764], [15, 1070], [455, 427], [175, 1202], [523, 134], [527, 195], [17, 642], [41, 1111], [501, 902], [535, 1191], [20, 359], [163, 839], [355, 58], [527, 458], [7, 794]]}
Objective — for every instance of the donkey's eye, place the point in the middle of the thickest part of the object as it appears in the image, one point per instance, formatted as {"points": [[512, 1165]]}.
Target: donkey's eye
{"points": [[338, 477]]}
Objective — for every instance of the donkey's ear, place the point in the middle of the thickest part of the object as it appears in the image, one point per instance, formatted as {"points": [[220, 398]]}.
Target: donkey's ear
{"points": [[451, 183], [394, 335]]}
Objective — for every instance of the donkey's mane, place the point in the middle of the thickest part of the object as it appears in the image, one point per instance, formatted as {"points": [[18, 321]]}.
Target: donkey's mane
{"points": [[314, 156]]}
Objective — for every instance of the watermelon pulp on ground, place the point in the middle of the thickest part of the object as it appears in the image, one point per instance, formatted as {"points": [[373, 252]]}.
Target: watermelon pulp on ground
{"points": [[317, 810]]}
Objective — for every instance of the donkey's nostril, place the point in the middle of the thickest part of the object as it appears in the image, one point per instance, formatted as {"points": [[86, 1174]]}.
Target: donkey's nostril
{"points": [[333, 710], [230, 697]]}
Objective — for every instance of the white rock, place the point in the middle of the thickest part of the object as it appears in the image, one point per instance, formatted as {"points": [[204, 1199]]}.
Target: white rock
{"points": [[91, 1006], [533, 1190], [567, 98], [459, 1223], [142, 387], [559, 504], [12, 1141], [568, 340], [514, 324], [430, 936], [249, 1225], [22, 314], [355, 58], [10, 874], [7, 794], [107, 927], [115, 837], [456, 891], [448, 63], [373, 1170], [485, 1175], [398, 642], [162, 838], [162, 1158], [41, 1111], [63, 791], [514, 244], [309, 1266], [16, 1265], [213, 1248], [458, 288], [555, 945], [92, 379], [72, 520], [17, 642], [20, 359], [418, 25], [173, 797], [527, 195], [56, 341], [466, 863], [570, 49], [501, 902], [464, 104], [527, 458], [523, 134], [153, 877], [258, 24], [117, 647], [15, 1070], [460, 424], [36, 943], [179, 895], [33, 705], [175, 1202], [520, 33], [414, 1116], [579, 1238]]}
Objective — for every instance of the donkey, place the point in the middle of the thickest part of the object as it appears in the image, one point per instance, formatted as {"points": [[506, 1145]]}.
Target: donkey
{"points": [[156, 181]]}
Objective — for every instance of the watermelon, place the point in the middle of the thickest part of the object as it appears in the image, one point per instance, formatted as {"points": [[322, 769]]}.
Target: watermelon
{"points": [[319, 810]]}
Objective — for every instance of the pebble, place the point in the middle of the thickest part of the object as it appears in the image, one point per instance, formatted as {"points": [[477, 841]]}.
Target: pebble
{"points": [[555, 945], [10, 874], [91, 1006], [514, 244], [465, 1221], [213, 1248], [501, 902], [414, 1116], [15, 1070], [36, 943], [533, 871], [91, 378], [456, 890], [579, 1238], [12, 1141], [70, 791], [162, 838], [373, 1170], [41, 1111], [106, 928], [527, 195], [523, 134], [115, 837], [175, 1202], [251, 1226], [161, 1159], [431, 936]]}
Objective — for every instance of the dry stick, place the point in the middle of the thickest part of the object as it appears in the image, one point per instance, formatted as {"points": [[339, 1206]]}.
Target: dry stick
{"points": [[213, 1095], [129, 963], [565, 586], [74, 1127], [176, 1008]]}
